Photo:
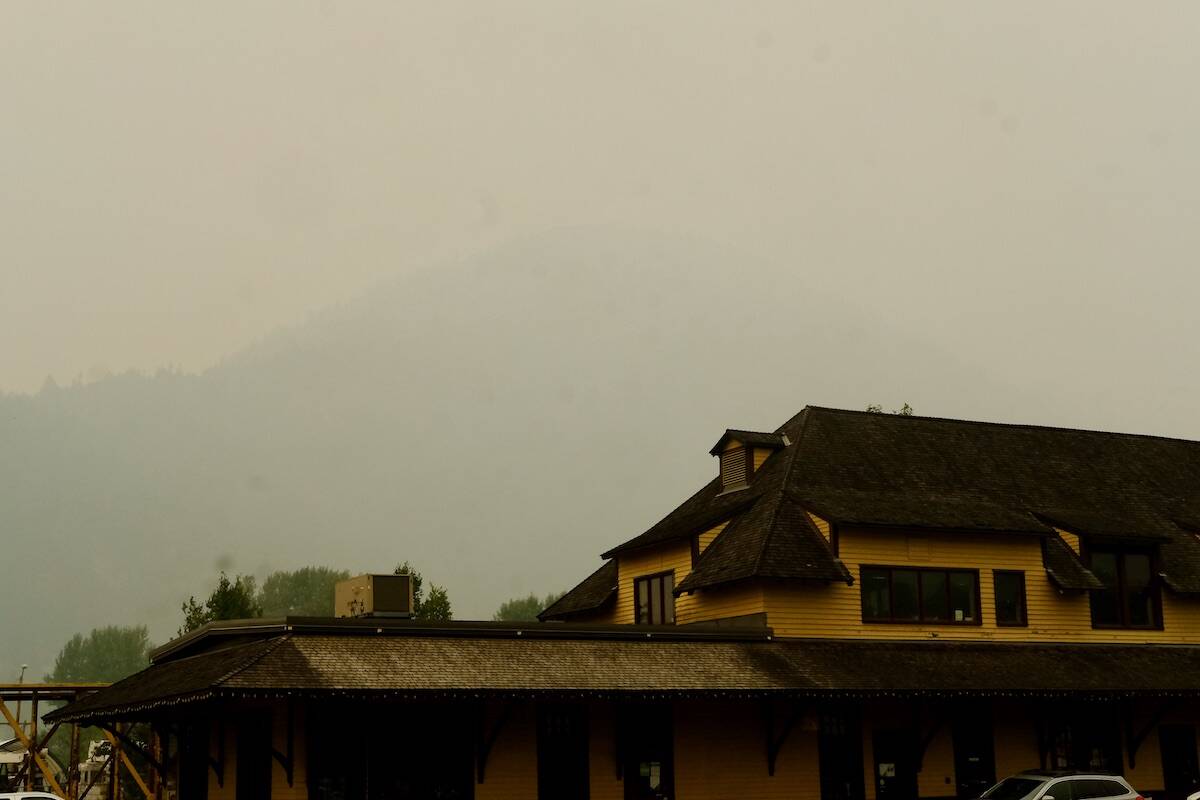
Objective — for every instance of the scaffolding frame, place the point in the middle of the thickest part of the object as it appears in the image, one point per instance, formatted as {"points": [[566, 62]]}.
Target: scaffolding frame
{"points": [[34, 742]]}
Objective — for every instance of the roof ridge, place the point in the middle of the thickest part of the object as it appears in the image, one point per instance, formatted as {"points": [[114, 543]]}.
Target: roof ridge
{"points": [[784, 482], [914, 418], [270, 648]]}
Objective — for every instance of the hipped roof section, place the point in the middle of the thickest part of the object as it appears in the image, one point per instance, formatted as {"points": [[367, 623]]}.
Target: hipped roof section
{"points": [[927, 473], [406, 663], [596, 591]]}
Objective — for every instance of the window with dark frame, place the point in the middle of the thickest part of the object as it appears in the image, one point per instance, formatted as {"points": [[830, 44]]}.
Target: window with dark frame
{"points": [[1130, 597], [1009, 586], [920, 595], [654, 599]]}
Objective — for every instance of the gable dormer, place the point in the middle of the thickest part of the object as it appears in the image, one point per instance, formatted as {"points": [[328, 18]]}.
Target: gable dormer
{"points": [[742, 453]]}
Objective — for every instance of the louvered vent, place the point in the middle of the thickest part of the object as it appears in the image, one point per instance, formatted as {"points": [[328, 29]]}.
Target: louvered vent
{"points": [[733, 468]]}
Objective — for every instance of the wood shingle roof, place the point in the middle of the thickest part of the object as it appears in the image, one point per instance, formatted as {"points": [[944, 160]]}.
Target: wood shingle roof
{"points": [[925, 473]]}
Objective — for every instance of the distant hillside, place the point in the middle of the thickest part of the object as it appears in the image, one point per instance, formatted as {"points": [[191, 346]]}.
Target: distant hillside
{"points": [[498, 422]]}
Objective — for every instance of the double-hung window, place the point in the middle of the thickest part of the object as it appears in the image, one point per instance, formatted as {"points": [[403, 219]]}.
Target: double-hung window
{"points": [[1009, 588], [920, 595], [654, 599], [1130, 597]]}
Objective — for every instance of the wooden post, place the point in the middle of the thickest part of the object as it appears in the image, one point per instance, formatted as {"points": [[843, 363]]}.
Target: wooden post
{"points": [[73, 769], [114, 776], [33, 737], [155, 752]]}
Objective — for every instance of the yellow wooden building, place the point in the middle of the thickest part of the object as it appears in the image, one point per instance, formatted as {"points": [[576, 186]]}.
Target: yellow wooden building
{"points": [[856, 606]]}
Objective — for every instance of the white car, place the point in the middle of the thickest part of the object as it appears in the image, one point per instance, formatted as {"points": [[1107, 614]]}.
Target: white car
{"points": [[1061, 785]]}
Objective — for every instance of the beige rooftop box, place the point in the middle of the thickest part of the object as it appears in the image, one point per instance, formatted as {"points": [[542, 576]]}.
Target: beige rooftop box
{"points": [[374, 596]]}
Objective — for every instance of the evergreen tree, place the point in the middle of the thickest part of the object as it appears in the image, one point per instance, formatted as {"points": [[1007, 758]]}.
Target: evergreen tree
{"points": [[230, 600]]}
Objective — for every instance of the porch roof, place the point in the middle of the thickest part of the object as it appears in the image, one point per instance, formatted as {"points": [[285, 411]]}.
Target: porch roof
{"points": [[414, 662]]}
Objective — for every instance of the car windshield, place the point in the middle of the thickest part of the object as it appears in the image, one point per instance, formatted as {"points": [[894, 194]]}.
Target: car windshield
{"points": [[1013, 789]]}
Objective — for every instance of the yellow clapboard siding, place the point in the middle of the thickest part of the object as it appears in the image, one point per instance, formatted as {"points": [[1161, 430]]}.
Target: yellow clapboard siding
{"points": [[835, 610], [760, 454], [720, 755], [215, 790], [735, 600], [706, 604], [709, 535], [279, 785], [1071, 539], [822, 525], [511, 772], [602, 761], [672, 556]]}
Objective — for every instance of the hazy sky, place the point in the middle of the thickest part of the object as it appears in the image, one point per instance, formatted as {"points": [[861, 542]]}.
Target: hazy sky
{"points": [[178, 180]]}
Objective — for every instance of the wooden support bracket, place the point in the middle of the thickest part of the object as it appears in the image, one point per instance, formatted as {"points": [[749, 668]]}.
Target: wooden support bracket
{"points": [[114, 732], [31, 748], [288, 760], [487, 738], [776, 740], [217, 765], [1134, 739], [40, 747], [924, 739]]}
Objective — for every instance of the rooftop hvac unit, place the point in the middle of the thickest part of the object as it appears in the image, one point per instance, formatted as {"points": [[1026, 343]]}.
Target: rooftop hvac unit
{"points": [[374, 596]]}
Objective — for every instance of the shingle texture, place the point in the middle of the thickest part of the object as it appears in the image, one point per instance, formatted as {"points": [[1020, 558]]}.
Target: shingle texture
{"points": [[860, 468], [1065, 568], [596, 591], [421, 664]]}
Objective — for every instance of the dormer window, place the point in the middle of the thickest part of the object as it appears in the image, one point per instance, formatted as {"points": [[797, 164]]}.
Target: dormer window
{"points": [[743, 453]]}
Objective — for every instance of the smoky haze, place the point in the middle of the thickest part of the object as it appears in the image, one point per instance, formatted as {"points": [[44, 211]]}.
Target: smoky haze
{"points": [[477, 285]]}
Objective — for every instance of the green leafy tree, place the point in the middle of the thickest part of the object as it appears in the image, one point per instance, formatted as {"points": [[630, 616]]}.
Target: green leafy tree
{"points": [[230, 600], [436, 607], [106, 654], [522, 609], [306, 592]]}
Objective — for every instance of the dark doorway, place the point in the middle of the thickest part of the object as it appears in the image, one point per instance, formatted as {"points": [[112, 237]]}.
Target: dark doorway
{"points": [[562, 750], [254, 756], [646, 738], [974, 753], [895, 765], [1181, 769], [839, 744]]}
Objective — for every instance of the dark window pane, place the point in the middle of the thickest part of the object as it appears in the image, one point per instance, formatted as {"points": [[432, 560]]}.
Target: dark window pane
{"points": [[668, 586], [1106, 607], [656, 604], [962, 596], [875, 592], [1137, 571], [1104, 567], [934, 602], [643, 601], [1137, 591], [1010, 598], [904, 596], [1064, 790]]}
